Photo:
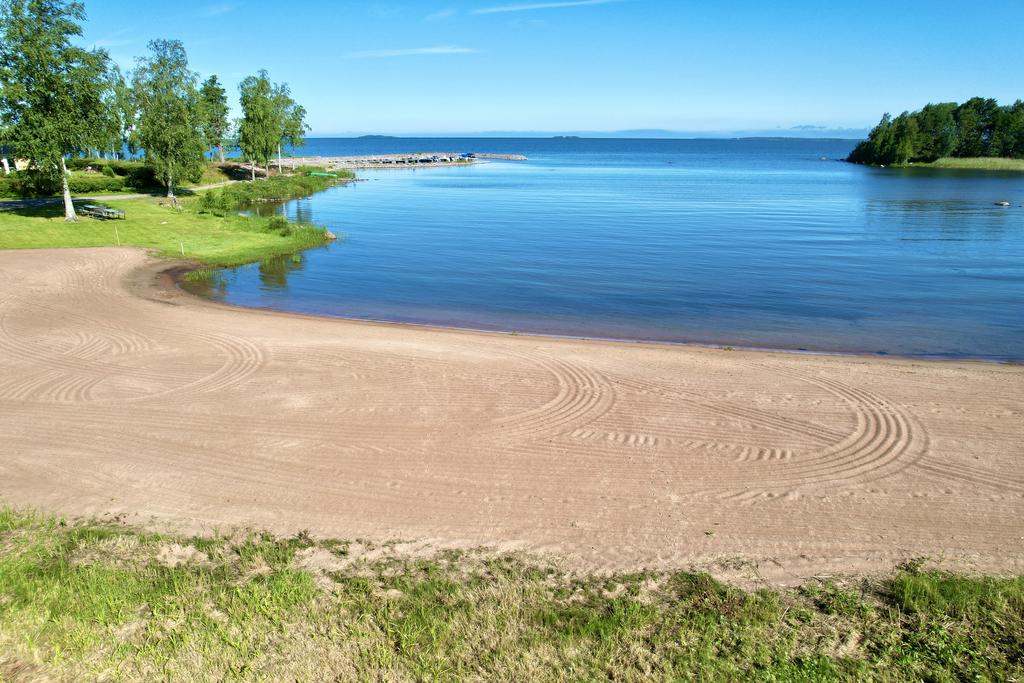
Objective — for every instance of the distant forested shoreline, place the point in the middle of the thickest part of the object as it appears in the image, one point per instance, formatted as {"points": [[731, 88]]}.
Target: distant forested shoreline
{"points": [[977, 128]]}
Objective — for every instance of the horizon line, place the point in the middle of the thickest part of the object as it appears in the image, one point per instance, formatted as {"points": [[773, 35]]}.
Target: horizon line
{"points": [[529, 135]]}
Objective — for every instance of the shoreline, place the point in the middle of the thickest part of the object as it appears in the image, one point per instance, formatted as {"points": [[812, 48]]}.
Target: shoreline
{"points": [[984, 165], [178, 270], [610, 455]]}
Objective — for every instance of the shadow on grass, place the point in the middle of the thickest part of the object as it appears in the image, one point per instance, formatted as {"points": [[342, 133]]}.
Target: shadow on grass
{"points": [[32, 208]]}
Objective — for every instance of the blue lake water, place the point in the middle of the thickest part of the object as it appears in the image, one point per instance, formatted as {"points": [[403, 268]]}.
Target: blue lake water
{"points": [[768, 243]]}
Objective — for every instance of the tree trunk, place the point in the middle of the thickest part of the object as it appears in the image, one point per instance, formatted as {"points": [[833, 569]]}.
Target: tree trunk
{"points": [[69, 207], [220, 148], [279, 158], [252, 168], [170, 188]]}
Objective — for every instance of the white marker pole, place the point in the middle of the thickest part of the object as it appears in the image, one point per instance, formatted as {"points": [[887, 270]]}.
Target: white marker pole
{"points": [[182, 247], [117, 235]]}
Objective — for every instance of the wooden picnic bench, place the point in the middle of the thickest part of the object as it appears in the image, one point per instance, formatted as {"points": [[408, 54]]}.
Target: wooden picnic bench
{"points": [[102, 212]]}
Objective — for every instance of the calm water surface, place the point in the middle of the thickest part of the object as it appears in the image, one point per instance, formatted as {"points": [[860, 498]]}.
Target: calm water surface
{"points": [[768, 243]]}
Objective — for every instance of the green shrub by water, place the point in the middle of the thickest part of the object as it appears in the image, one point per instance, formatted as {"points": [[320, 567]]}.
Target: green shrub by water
{"points": [[274, 189], [91, 601]]}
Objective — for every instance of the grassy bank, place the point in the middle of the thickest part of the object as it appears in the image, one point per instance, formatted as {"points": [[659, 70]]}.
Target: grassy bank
{"points": [[217, 238], [82, 601], [974, 164]]}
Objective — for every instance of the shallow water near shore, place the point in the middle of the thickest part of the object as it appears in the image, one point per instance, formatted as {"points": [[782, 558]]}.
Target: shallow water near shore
{"points": [[770, 243]]}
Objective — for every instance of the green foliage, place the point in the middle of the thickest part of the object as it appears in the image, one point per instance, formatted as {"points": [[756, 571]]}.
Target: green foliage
{"points": [[170, 116], [135, 174], [948, 595], [977, 128], [84, 599], [291, 117], [271, 118], [28, 184], [258, 133], [213, 100], [215, 240], [280, 225], [122, 113], [93, 183], [228, 199], [51, 92]]}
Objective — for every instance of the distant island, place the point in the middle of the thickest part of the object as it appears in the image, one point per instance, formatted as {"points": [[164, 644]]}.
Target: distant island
{"points": [[566, 137], [977, 134]]}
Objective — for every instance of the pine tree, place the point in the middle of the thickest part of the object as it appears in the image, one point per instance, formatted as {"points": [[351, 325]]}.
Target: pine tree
{"points": [[215, 114]]}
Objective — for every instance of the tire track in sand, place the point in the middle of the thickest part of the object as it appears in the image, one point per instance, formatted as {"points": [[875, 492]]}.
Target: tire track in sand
{"points": [[886, 440], [761, 418], [74, 373], [583, 395]]}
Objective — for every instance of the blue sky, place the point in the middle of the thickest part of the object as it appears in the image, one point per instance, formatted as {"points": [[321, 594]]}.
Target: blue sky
{"points": [[456, 66]]}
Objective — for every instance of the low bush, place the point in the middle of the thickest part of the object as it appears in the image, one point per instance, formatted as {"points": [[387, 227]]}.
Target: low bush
{"points": [[27, 184], [135, 174], [277, 188], [10, 185], [279, 225], [213, 202], [140, 177], [88, 183]]}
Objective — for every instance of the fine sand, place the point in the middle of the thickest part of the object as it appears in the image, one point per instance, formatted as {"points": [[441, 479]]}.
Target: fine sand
{"points": [[121, 395]]}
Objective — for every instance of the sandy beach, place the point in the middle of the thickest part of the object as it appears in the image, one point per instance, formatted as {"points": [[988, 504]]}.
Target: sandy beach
{"points": [[120, 395]]}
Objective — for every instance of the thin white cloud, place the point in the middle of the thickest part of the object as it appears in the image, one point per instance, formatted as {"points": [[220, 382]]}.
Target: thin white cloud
{"points": [[119, 38], [412, 51], [107, 43], [441, 14], [220, 9], [540, 5]]}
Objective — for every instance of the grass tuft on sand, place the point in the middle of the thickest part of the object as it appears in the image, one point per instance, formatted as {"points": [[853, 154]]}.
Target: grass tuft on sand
{"points": [[91, 600]]}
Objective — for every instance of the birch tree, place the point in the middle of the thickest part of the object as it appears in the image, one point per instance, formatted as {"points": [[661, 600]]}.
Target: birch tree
{"points": [[51, 92], [290, 118], [259, 130], [169, 127]]}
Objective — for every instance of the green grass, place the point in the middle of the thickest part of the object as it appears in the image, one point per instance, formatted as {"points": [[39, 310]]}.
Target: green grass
{"points": [[975, 163], [88, 601], [223, 238], [213, 240], [275, 189], [218, 173]]}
